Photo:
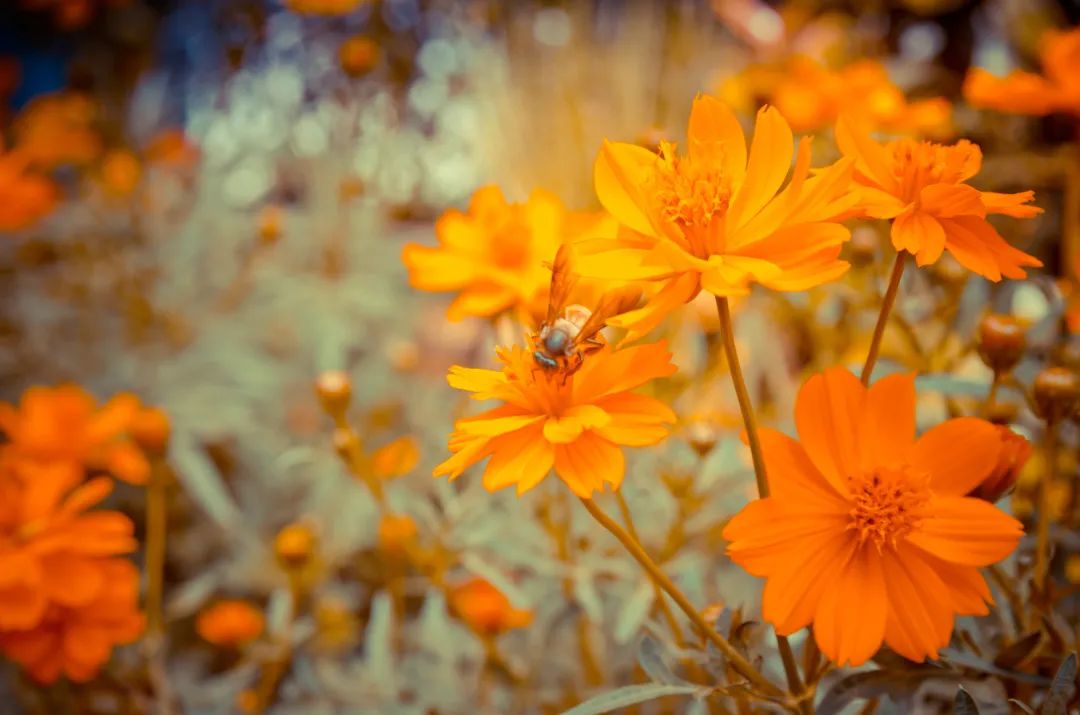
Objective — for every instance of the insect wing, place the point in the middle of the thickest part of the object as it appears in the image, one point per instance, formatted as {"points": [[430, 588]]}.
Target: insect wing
{"points": [[614, 302], [563, 281]]}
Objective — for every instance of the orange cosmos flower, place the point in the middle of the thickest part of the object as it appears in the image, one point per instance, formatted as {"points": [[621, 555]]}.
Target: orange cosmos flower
{"points": [[716, 219], [51, 546], [486, 609], [1056, 90], [921, 187], [574, 423], [57, 129], [25, 196], [230, 623], [64, 423], [868, 533], [76, 641], [494, 255]]}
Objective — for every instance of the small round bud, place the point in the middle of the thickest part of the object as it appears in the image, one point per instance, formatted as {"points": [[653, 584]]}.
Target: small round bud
{"points": [[1056, 391], [1001, 342], [334, 389], [294, 546], [702, 437], [151, 429], [358, 55]]}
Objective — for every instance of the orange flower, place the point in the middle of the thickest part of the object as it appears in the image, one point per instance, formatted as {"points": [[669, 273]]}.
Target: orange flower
{"points": [[230, 623], [574, 423], [25, 196], [323, 7], [494, 255], [920, 186], [358, 55], [64, 423], [486, 609], [397, 533], [1014, 454], [1056, 90], [716, 219], [76, 641], [812, 97], [51, 550], [396, 458], [867, 533], [57, 129]]}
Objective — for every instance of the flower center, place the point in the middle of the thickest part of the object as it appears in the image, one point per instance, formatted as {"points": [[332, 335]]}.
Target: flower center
{"points": [[691, 189], [887, 503]]}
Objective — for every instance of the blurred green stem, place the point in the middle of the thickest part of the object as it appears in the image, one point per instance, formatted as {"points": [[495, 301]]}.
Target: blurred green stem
{"points": [[1042, 529], [727, 331]]}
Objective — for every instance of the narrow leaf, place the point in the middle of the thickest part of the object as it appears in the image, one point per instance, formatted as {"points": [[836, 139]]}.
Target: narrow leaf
{"points": [[652, 661], [1061, 689], [631, 695], [964, 704]]}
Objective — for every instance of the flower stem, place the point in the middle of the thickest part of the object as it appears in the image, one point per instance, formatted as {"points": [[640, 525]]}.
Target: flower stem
{"points": [[735, 659], [723, 310], [661, 602], [883, 317], [1042, 529], [156, 538]]}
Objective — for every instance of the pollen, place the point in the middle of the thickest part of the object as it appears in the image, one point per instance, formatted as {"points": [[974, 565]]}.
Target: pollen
{"points": [[692, 189], [887, 503]]}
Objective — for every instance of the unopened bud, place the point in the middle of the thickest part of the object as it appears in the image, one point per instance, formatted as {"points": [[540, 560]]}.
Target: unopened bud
{"points": [[334, 389], [1001, 342], [1056, 391], [294, 546], [1014, 454]]}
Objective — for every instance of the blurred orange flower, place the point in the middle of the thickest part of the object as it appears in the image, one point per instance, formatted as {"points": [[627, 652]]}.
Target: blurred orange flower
{"points": [[77, 640], [395, 459], [921, 187], [51, 546], [494, 255], [119, 173], [575, 423], [716, 219], [64, 423], [324, 7], [1056, 90], [812, 97], [358, 55], [57, 129], [396, 533], [25, 196], [868, 533], [486, 609], [230, 623]]}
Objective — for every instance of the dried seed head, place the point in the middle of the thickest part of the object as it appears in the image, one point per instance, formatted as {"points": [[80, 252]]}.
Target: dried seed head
{"points": [[1056, 390], [1001, 342]]}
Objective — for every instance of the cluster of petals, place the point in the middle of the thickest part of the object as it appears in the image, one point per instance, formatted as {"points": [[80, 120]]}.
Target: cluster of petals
{"points": [[716, 217], [1057, 89], [494, 255], [921, 186], [65, 424], [66, 594], [575, 423], [869, 533]]}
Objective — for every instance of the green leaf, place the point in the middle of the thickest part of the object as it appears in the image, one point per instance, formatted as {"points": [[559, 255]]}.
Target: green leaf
{"points": [[964, 704], [652, 661], [632, 695], [878, 683], [1061, 689]]}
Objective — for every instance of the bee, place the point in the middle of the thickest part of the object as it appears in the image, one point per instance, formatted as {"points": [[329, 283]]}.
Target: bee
{"points": [[570, 332]]}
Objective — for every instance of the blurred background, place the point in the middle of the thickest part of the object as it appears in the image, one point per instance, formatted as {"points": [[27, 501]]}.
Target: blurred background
{"points": [[214, 214]]}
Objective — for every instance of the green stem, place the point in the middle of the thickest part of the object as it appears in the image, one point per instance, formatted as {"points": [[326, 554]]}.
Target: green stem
{"points": [[883, 317]]}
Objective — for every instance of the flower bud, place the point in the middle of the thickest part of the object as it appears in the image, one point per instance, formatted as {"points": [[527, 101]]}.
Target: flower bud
{"points": [[150, 429], [1001, 342], [358, 55], [334, 389], [486, 609], [1015, 452], [396, 534], [1056, 390], [294, 546], [702, 437], [230, 623]]}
